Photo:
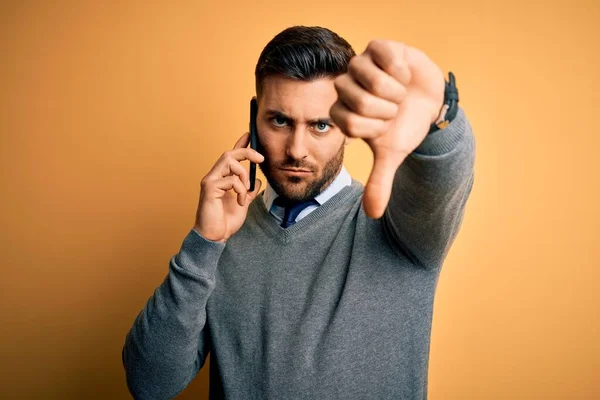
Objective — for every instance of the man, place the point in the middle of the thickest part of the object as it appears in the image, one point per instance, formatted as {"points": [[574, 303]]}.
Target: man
{"points": [[316, 288]]}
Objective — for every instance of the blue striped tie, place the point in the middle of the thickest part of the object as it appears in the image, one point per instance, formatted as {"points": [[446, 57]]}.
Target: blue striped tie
{"points": [[292, 209]]}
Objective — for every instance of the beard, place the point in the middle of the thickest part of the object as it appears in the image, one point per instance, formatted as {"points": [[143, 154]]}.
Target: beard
{"points": [[291, 187]]}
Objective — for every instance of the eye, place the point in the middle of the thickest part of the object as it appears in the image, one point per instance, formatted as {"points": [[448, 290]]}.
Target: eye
{"points": [[278, 121], [322, 127]]}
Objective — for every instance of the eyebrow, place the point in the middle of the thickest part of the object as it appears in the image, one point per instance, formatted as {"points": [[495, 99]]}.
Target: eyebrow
{"points": [[277, 113]]}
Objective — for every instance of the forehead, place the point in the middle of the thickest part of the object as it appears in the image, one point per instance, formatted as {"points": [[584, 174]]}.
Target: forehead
{"points": [[298, 99]]}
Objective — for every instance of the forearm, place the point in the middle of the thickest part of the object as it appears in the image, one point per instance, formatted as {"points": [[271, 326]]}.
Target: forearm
{"points": [[429, 194], [164, 349]]}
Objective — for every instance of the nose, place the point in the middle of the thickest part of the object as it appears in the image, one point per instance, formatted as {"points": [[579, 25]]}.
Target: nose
{"points": [[296, 147]]}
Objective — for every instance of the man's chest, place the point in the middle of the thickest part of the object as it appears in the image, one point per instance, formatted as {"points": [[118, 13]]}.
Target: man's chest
{"points": [[325, 302]]}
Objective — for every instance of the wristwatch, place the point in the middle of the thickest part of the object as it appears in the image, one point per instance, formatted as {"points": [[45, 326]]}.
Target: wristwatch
{"points": [[450, 107]]}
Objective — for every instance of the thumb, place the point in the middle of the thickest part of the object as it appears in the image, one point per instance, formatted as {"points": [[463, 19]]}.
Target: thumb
{"points": [[379, 186], [252, 195]]}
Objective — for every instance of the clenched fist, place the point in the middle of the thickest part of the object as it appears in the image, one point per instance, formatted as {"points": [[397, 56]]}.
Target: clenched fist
{"points": [[389, 97]]}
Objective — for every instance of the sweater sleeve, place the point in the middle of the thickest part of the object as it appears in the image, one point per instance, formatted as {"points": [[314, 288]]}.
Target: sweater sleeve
{"points": [[168, 343], [429, 194]]}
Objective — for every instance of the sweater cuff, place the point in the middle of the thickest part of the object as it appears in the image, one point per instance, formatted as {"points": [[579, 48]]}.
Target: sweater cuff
{"points": [[444, 140], [199, 255]]}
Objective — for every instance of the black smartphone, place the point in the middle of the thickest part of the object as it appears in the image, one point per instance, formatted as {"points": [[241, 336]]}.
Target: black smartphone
{"points": [[253, 140]]}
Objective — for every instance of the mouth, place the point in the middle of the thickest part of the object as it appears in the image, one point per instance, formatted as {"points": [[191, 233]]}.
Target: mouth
{"points": [[294, 171]]}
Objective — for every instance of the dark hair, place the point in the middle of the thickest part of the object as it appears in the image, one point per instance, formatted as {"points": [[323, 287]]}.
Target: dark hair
{"points": [[304, 53]]}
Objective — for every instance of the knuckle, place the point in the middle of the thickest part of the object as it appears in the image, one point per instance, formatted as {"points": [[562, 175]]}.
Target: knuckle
{"points": [[228, 155], [338, 116], [352, 125], [375, 44], [398, 59], [234, 184], [338, 82], [363, 104], [397, 63], [379, 45], [334, 113], [378, 84], [333, 110], [354, 63]]}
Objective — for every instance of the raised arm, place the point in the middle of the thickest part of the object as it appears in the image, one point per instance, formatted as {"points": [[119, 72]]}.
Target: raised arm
{"points": [[429, 194], [390, 96]]}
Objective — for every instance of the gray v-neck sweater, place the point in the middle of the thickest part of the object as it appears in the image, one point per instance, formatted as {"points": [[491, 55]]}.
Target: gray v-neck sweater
{"points": [[337, 306]]}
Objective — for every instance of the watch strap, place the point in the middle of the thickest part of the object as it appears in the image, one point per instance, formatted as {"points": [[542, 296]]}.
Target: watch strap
{"points": [[450, 107]]}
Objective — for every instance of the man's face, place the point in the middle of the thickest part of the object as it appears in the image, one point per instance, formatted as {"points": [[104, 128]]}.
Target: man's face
{"points": [[303, 149]]}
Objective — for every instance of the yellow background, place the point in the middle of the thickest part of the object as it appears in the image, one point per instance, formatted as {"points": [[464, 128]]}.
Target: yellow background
{"points": [[111, 112]]}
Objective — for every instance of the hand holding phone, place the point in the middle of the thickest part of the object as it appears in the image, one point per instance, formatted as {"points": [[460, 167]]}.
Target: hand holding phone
{"points": [[218, 217]]}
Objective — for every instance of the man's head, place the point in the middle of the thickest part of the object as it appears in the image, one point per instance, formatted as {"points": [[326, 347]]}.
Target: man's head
{"points": [[295, 90]]}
